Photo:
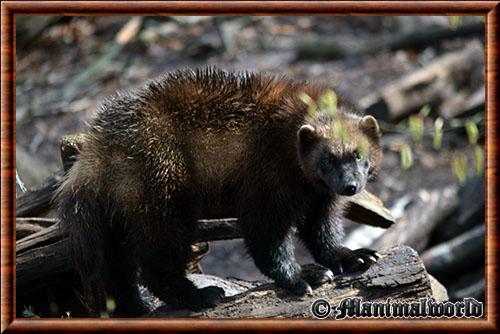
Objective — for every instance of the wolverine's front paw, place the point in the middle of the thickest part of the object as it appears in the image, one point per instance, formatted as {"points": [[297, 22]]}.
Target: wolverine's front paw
{"points": [[354, 260]]}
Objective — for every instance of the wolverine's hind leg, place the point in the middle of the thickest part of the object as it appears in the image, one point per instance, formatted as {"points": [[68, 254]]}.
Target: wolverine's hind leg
{"points": [[168, 234], [122, 282]]}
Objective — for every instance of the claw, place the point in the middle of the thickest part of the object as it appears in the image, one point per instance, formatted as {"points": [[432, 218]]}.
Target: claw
{"points": [[372, 259], [360, 261]]}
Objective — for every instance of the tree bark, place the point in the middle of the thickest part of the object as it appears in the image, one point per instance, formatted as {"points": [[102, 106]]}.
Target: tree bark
{"points": [[399, 275]]}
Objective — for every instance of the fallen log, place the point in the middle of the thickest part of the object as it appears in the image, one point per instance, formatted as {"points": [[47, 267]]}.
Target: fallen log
{"points": [[35, 265], [38, 202], [28, 226], [333, 49], [31, 225], [440, 80], [459, 254], [464, 104], [46, 253], [428, 208], [474, 289], [399, 275], [470, 212]]}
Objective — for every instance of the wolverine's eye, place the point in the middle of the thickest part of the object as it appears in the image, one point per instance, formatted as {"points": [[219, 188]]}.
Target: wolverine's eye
{"points": [[356, 155], [328, 160]]}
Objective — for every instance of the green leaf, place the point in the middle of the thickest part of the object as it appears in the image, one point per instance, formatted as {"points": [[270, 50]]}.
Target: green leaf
{"points": [[110, 305], [425, 111], [406, 157], [454, 21], [472, 131], [478, 159], [312, 108], [416, 126], [438, 133], [328, 102], [459, 167]]}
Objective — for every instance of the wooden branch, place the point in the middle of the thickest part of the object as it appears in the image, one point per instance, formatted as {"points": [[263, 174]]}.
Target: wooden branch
{"points": [[398, 275], [368, 209], [25, 229], [432, 85], [37, 202], [470, 212], [414, 229], [460, 253], [28, 226], [44, 237], [198, 251], [34, 266]]}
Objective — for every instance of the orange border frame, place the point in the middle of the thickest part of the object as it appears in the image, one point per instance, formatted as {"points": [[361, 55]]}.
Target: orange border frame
{"points": [[11, 8]]}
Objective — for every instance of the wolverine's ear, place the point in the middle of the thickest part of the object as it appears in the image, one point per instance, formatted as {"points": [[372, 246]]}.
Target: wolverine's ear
{"points": [[369, 126], [307, 134]]}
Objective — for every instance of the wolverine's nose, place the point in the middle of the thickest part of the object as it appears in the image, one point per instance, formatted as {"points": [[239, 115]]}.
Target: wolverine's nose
{"points": [[350, 189]]}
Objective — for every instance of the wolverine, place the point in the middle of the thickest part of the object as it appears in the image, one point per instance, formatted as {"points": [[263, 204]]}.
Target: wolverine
{"points": [[208, 143]]}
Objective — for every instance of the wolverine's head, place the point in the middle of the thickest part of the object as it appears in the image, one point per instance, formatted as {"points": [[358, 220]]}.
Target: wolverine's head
{"points": [[339, 152]]}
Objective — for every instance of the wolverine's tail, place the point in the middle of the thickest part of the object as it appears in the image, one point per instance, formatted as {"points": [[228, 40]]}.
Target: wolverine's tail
{"points": [[85, 220]]}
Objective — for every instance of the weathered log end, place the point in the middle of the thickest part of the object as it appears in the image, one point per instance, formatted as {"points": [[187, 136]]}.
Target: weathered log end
{"points": [[399, 275]]}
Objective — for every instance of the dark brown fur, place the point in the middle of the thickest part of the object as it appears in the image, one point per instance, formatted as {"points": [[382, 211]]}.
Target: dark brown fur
{"points": [[202, 144]]}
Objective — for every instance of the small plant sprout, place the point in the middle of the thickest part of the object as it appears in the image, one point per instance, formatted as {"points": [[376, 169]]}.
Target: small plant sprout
{"points": [[328, 102], [459, 167], [29, 312], [363, 148], [416, 124], [312, 108], [472, 131], [478, 159], [425, 111], [438, 133], [454, 21], [340, 131], [110, 305], [406, 156]]}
